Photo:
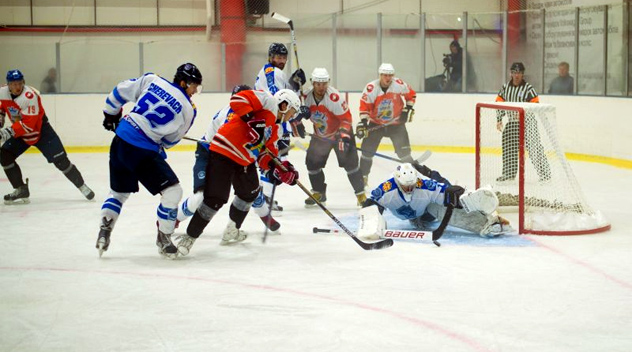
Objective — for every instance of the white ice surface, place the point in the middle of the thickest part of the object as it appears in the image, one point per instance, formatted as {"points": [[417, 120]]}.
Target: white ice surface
{"points": [[302, 291]]}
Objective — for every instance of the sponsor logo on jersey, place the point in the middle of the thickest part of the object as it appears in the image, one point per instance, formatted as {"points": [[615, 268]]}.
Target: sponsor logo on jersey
{"points": [[377, 193], [13, 111], [399, 81], [406, 212], [430, 185], [334, 97], [369, 88], [269, 69], [387, 186], [385, 110], [201, 175], [29, 95], [320, 122]]}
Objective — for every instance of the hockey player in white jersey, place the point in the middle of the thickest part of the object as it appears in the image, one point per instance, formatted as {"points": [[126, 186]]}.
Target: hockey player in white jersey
{"points": [[188, 207], [271, 78], [162, 115], [408, 196]]}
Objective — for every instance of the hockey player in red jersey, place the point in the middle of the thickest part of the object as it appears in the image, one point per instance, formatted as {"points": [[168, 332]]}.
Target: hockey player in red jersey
{"points": [[385, 107], [27, 125], [332, 130], [247, 139]]}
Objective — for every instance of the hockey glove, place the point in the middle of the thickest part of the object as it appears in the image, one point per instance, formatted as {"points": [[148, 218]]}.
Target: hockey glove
{"points": [[257, 130], [452, 195], [284, 173], [6, 134], [303, 113], [246, 118], [344, 140], [110, 122], [298, 79], [362, 129], [298, 129], [407, 114]]}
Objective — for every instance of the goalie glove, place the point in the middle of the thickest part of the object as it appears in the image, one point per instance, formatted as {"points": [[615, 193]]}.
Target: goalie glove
{"points": [[110, 122], [362, 129], [452, 196], [372, 223], [344, 140], [407, 114]]}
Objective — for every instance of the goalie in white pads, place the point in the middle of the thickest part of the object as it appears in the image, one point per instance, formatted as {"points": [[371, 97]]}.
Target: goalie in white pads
{"points": [[408, 196]]}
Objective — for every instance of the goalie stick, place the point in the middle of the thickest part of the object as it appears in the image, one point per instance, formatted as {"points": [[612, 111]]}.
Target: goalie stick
{"points": [[415, 235], [366, 246]]}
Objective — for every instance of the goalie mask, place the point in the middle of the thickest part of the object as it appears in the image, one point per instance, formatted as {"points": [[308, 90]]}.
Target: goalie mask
{"points": [[406, 179]]}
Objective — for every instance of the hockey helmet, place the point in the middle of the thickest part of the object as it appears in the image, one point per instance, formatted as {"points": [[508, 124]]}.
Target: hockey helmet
{"points": [[14, 75], [517, 67], [386, 69], [189, 73], [320, 74], [406, 180], [287, 96], [239, 88], [277, 49]]}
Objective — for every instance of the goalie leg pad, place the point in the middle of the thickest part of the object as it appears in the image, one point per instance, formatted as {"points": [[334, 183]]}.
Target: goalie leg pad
{"points": [[372, 224], [482, 199]]}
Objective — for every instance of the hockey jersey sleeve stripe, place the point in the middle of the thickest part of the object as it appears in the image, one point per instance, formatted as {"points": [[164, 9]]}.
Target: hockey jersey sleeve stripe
{"points": [[107, 101], [224, 143], [118, 96]]}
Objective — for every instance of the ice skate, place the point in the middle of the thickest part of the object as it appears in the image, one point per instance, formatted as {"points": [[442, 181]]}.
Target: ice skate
{"points": [[321, 197], [87, 192], [103, 241], [165, 246], [361, 199], [185, 242], [19, 195], [270, 223], [275, 206], [232, 234]]}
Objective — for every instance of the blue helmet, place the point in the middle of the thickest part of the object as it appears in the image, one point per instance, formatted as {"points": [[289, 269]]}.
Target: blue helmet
{"points": [[14, 75]]}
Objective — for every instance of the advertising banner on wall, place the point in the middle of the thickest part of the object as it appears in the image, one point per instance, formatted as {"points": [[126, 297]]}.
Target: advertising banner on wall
{"points": [[559, 29]]}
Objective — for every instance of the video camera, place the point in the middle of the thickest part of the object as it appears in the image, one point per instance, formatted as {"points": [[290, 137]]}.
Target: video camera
{"points": [[447, 60]]}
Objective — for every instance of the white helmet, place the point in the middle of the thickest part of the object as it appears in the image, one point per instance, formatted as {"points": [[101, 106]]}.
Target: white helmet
{"points": [[287, 96], [406, 179], [320, 75], [386, 69]]}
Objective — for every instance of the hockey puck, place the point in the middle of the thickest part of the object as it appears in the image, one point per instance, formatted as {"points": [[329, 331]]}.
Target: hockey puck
{"points": [[315, 230], [437, 243]]}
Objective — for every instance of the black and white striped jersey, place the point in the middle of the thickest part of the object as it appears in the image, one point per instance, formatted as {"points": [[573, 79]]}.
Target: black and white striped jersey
{"points": [[522, 93]]}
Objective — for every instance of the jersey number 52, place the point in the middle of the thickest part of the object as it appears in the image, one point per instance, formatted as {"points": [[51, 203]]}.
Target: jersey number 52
{"points": [[157, 115]]}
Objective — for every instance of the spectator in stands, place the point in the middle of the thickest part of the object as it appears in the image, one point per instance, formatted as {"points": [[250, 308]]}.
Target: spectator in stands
{"points": [[563, 84], [49, 84], [451, 78]]}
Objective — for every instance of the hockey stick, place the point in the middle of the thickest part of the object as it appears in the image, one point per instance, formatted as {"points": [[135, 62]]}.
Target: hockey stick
{"points": [[425, 156], [366, 246], [277, 16], [415, 235], [269, 217]]}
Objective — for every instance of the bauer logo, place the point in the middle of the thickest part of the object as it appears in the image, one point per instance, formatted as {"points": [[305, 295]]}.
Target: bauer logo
{"points": [[404, 234]]}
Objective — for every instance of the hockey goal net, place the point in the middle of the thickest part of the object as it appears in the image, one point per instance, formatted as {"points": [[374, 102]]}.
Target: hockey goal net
{"points": [[528, 170]]}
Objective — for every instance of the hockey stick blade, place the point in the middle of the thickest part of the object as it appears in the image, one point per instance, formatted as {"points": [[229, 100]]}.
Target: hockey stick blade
{"points": [[279, 17], [425, 156]]}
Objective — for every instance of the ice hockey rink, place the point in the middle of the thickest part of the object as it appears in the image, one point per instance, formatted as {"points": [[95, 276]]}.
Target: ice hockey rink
{"points": [[302, 291]]}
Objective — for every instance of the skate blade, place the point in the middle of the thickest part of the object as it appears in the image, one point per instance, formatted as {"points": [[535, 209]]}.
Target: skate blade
{"points": [[168, 255], [17, 201], [101, 246], [308, 206]]}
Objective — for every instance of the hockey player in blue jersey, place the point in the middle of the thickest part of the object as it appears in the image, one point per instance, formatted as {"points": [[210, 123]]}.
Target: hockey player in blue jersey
{"points": [[408, 196], [162, 115], [271, 78]]}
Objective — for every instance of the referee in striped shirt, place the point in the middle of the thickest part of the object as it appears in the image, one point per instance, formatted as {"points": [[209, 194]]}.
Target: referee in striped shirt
{"points": [[517, 90]]}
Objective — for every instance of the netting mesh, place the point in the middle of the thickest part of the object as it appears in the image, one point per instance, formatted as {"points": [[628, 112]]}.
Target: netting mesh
{"points": [[527, 168]]}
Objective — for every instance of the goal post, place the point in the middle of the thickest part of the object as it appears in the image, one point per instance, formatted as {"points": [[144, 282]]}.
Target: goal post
{"points": [[518, 153]]}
